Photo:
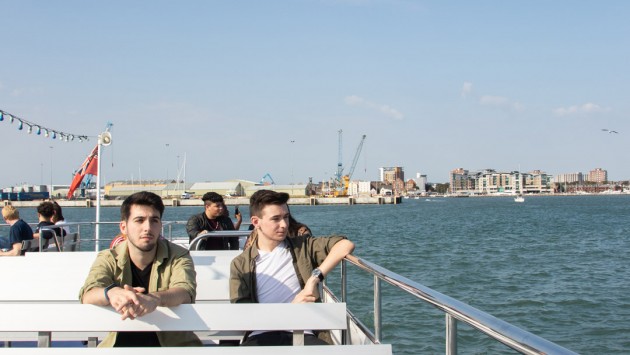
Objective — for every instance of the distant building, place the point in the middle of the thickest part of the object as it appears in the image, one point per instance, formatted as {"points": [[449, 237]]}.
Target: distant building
{"points": [[569, 178], [390, 175], [490, 181], [295, 190], [598, 176], [421, 182]]}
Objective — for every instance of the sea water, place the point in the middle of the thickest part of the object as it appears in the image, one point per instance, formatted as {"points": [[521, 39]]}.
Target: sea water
{"points": [[556, 266]]}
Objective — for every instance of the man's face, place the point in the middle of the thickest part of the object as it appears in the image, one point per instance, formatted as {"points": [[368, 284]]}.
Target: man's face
{"points": [[143, 227], [273, 223], [214, 210]]}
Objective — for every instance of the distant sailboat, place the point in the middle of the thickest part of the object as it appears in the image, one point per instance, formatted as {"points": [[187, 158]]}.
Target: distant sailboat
{"points": [[519, 197]]}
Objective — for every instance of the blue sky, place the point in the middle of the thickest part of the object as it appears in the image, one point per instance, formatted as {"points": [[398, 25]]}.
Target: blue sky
{"points": [[435, 85]]}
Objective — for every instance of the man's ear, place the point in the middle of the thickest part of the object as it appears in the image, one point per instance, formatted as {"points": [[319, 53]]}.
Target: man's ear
{"points": [[255, 221], [123, 227]]}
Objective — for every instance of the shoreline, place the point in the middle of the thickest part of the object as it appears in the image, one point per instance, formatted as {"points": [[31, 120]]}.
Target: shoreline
{"points": [[232, 201]]}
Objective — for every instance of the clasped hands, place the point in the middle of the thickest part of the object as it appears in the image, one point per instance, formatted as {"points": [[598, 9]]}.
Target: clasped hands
{"points": [[131, 302]]}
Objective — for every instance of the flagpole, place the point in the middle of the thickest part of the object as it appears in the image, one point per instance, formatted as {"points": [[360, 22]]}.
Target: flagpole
{"points": [[98, 194], [105, 139]]}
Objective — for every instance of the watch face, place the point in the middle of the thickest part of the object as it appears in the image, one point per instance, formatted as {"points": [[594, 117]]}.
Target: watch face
{"points": [[318, 273]]}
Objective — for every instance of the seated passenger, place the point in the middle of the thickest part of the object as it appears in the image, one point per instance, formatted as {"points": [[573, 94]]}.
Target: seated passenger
{"points": [[212, 219], [18, 232], [45, 212], [287, 270], [58, 218], [142, 273], [237, 214]]}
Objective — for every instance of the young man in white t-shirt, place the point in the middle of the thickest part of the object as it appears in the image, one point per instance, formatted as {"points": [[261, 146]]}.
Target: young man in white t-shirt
{"points": [[277, 269]]}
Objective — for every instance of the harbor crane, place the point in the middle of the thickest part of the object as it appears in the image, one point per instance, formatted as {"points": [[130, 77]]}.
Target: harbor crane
{"points": [[344, 180], [269, 182]]}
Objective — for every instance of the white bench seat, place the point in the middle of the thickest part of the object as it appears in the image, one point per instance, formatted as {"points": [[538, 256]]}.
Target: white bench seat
{"points": [[46, 319], [58, 277]]}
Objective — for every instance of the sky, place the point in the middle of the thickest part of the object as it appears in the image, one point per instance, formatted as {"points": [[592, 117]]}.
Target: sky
{"points": [[221, 90]]}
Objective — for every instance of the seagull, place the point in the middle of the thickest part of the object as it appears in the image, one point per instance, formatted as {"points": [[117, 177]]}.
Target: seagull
{"points": [[609, 131]]}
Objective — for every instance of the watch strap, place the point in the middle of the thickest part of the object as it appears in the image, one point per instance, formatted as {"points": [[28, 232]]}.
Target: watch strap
{"points": [[109, 288]]}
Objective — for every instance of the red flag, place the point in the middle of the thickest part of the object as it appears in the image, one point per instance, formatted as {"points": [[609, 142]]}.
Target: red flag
{"points": [[89, 166]]}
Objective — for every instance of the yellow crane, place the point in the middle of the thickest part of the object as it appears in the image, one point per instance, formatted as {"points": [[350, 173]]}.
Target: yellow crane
{"points": [[344, 180]]}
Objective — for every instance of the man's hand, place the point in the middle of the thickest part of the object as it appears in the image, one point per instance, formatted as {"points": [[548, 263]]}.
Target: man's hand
{"points": [[307, 295], [131, 303]]}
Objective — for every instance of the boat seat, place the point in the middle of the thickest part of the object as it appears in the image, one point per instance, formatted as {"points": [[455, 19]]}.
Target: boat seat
{"points": [[41, 320], [31, 245]]}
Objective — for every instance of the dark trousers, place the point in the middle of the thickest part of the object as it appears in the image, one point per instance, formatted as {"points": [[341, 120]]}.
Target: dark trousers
{"points": [[280, 338]]}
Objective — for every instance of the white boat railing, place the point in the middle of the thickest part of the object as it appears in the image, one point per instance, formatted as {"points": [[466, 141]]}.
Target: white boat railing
{"points": [[454, 310]]}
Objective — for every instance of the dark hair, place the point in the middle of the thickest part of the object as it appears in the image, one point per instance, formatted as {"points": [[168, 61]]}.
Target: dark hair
{"points": [[262, 198], [58, 211], [143, 198], [46, 209], [212, 197]]}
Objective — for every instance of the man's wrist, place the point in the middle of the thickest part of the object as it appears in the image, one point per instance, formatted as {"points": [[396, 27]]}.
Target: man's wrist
{"points": [[109, 288]]}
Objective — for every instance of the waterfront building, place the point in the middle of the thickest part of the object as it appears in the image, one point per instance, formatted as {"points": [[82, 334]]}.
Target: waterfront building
{"points": [[359, 188], [598, 176], [295, 190], [390, 175], [569, 178], [490, 181], [411, 185], [421, 182]]}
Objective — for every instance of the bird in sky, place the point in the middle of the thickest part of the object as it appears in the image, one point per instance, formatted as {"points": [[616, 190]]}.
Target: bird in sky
{"points": [[609, 131]]}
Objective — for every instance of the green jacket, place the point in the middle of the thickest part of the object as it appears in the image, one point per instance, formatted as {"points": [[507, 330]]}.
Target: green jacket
{"points": [[308, 253], [172, 267]]}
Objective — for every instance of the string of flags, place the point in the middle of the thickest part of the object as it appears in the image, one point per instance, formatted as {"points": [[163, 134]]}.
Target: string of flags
{"points": [[38, 129]]}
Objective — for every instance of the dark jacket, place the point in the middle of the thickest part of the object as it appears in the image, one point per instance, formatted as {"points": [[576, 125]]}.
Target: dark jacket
{"points": [[200, 222]]}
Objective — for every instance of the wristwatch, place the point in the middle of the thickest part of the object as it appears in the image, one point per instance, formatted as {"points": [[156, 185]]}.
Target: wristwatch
{"points": [[318, 273], [109, 288]]}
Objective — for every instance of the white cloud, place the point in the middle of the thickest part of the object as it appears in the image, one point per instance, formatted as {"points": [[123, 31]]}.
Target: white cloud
{"points": [[500, 101], [387, 110], [466, 89], [586, 108]]}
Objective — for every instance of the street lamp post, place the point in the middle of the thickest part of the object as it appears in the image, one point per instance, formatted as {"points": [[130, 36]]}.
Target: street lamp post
{"points": [[292, 141], [51, 172]]}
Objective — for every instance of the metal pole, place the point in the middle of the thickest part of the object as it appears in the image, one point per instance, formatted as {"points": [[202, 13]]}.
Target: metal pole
{"points": [[344, 287], [98, 194], [377, 309], [51, 172], [451, 335]]}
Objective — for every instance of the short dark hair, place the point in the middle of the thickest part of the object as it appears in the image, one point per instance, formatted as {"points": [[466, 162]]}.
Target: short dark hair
{"points": [[262, 198], [212, 197], [46, 209], [143, 198]]}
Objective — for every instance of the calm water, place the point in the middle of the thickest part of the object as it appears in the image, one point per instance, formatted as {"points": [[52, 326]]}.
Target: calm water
{"points": [[555, 266]]}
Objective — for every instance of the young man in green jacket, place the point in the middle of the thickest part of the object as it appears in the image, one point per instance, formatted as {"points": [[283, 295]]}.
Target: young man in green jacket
{"points": [[281, 269], [129, 276]]}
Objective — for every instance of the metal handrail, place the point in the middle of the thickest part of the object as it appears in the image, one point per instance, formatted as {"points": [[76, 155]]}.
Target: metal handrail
{"points": [[216, 234], [506, 333]]}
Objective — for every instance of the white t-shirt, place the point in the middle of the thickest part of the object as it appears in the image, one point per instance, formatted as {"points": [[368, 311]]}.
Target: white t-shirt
{"points": [[276, 281]]}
